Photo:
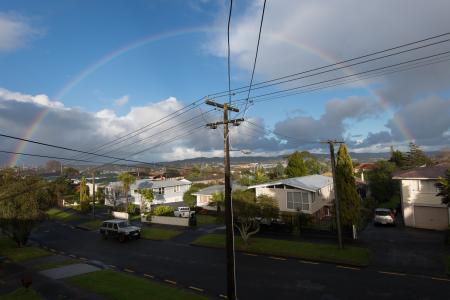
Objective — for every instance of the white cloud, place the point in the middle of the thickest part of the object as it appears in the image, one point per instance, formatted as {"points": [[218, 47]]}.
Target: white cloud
{"points": [[122, 100], [40, 99], [15, 31]]}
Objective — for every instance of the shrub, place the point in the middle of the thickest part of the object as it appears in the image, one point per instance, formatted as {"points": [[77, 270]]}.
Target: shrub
{"points": [[163, 211], [131, 208]]}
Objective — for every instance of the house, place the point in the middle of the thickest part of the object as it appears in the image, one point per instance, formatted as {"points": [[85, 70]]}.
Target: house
{"points": [[165, 191], [309, 194], [204, 196], [420, 206]]}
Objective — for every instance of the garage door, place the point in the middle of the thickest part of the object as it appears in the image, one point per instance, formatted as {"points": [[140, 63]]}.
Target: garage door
{"points": [[431, 217]]}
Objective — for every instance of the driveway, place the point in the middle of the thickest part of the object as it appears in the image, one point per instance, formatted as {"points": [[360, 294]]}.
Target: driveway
{"points": [[408, 250]]}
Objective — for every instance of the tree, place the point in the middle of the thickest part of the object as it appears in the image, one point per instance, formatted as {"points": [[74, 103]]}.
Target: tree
{"points": [[127, 180], [443, 186], [248, 211], [260, 176], [189, 199], [217, 200], [381, 184], [23, 202], [70, 172], [313, 166], [296, 166], [346, 188], [415, 157], [146, 199], [84, 199], [100, 195]]}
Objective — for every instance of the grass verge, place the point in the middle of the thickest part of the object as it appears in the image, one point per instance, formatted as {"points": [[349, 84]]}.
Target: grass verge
{"points": [[355, 256], [159, 233], [22, 294], [118, 286], [91, 225], [207, 219], [62, 215], [9, 249], [53, 265]]}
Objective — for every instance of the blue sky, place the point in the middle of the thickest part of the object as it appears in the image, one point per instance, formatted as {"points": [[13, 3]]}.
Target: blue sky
{"points": [[47, 44]]}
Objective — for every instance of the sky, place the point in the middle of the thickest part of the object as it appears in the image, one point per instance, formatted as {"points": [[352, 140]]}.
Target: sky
{"points": [[83, 73]]}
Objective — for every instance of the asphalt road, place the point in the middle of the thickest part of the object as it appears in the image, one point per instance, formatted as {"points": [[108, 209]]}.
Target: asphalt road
{"points": [[258, 277]]}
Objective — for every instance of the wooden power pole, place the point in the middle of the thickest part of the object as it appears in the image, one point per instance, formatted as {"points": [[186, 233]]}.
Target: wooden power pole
{"points": [[231, 268], [336, 196]]}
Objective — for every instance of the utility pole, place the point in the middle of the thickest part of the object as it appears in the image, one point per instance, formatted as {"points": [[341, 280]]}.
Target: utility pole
{"points": [[336, 196], [93, 194], [231, 272]]}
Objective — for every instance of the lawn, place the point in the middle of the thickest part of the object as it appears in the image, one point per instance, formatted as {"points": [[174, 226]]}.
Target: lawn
{"points": [[207, 219], [310, 251], [62, 215], [118, 286], [153, 233], [91, 225], [9, 249], [52, 265], [22, 294]]}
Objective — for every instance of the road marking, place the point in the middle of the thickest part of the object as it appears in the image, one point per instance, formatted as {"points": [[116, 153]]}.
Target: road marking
{"points": [[308, 262], [53, 250], [223, 296], [112, 266], [250, 254], [350, 268], [392, 273], [196, 289], [149, 276], [277, 258], [170, 281], [440, 279], [73, 256], [128, 270], [62, 252], [73, 227], [83, 258]]}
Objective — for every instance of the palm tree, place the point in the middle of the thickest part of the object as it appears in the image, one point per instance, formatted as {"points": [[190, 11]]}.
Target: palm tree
{"points": [[127, 180]]}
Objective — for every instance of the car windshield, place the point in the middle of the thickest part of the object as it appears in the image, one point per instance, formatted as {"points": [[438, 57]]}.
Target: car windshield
{"points": [[382, 213], [123, 224]]}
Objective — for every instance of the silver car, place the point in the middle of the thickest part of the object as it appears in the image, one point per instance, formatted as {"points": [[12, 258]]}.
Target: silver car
{"points": [[384, 216]]}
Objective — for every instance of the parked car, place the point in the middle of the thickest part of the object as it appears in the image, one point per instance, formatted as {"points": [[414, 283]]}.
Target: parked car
{"points": [[183, 212], [120, 229], [384, 216]]}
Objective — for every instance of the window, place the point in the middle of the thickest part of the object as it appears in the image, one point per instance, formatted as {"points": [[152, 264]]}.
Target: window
{"points": [[298, 200], [176, 188], [115, 226], [161, 191]]}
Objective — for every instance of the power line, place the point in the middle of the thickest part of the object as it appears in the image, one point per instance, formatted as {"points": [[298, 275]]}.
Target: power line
{"points": [[347, 76], [256, 57], [215, 95]]}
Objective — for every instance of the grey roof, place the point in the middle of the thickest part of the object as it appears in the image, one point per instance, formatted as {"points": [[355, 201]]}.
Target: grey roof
{"points": [[431, 172], [210, 190], [310, 183]]}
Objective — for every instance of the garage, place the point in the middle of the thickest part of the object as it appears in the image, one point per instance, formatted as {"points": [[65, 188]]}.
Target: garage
{"points": [[431, 217]]}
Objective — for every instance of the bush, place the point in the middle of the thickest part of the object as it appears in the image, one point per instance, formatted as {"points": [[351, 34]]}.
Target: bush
{"points": [[132, 208], [163, 211]]}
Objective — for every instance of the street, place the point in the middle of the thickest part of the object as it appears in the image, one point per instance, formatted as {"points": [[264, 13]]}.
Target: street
{"points": [[258, 277]]}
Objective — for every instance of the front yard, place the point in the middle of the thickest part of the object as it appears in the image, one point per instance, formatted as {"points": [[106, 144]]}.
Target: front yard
{"points": [[356, 256], [22, 294], [62, 215], [119, 286], [9, 249]]}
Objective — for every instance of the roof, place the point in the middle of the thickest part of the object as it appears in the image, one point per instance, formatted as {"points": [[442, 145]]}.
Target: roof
{"points": [[153, 184], [210, 190], [431, 172], [310, 183], [365, 166]]}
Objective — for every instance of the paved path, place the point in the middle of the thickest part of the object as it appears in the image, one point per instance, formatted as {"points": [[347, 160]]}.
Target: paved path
{"points": [[258, 277]]}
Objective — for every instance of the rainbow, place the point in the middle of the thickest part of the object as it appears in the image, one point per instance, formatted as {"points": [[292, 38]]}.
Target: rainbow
{"points": [[309, 48]]}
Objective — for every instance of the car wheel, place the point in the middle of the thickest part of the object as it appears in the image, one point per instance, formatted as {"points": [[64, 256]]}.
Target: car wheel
{"points": [[122, 238]]}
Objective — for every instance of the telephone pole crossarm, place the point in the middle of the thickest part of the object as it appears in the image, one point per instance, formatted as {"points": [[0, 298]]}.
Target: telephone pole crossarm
{"points": [[222, 106], [234, 122]]}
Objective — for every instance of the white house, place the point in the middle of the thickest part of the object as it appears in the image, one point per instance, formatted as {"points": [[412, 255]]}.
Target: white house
{"points": [[309, 194], [164, 191], [204, 196], [420, 205]]}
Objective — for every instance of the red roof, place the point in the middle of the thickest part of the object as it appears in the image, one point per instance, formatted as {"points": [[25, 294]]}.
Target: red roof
{"points": [[432, 172], [365, 166]]}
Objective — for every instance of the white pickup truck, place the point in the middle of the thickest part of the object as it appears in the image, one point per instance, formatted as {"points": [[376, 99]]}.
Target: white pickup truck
{"points": [[183, 212]]}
